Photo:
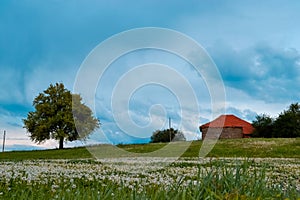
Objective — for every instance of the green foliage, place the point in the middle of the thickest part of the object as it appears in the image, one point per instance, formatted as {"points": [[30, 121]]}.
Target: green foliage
{"points": [[286, 125], [263, 125], [167, 135], [288, 122], [53, 116]]}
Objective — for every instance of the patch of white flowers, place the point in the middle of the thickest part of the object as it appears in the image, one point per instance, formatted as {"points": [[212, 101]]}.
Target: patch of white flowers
{"points": [[137, 173]]}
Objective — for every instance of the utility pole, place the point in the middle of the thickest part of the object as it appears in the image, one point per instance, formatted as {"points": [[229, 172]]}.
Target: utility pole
{"points": [[170, 128], [3, 141]]}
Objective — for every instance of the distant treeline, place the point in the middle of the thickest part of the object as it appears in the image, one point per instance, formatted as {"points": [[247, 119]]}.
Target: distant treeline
{"points": [[286, 125]]}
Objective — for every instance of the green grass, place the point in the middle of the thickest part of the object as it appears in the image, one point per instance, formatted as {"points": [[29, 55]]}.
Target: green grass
{"points": [[217, 179], [258, 147], [69, 153], [37, 175], [252, 147]]}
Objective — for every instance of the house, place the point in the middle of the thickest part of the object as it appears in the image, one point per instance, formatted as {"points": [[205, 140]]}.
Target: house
{"points": [[230, 126]]}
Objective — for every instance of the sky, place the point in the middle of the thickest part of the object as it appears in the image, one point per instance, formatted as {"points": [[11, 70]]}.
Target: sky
{"points": [[255, 46]]}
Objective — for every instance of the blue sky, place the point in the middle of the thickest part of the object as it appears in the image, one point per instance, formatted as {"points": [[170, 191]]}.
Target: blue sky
{"points": [[254, 44]]}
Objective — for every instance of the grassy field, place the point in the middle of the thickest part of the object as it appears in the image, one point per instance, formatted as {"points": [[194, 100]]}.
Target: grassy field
{"points": [[150, 178], [234, 169], [253, 147]]}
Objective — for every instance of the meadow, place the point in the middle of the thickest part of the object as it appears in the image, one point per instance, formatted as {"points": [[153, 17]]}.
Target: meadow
{"points": [[271, 172], [250, 147]]}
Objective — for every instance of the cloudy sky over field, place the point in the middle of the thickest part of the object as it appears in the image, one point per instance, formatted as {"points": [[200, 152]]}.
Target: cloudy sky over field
{"points": [[255, 46]]}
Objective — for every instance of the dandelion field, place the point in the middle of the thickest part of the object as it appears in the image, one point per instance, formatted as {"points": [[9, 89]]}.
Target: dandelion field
{"points": [[151, 178]]}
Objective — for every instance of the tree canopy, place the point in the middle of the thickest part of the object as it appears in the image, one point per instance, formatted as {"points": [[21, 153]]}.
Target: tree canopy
{"points": [[263, 126], [286, 125], [167, 135], [288, 122], [55, 111]]}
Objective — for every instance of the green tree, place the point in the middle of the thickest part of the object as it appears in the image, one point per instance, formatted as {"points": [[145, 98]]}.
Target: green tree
{"points": [[167, 135], [53, 118], [263, 125], [288, 122]]}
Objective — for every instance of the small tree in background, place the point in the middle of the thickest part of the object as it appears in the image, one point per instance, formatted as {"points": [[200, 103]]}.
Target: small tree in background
{"points": [[167, 135], [53, 116]]}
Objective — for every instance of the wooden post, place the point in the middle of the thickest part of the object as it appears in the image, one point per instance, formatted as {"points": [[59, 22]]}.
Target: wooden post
{"points": [[3, 141]]}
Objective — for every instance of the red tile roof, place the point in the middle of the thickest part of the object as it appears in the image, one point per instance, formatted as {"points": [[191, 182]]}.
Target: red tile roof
{"points": [[230, 121]]}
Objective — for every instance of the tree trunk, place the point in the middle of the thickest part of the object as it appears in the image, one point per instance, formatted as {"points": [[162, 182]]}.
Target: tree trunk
{"points": [[61, 143]]}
